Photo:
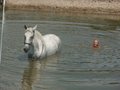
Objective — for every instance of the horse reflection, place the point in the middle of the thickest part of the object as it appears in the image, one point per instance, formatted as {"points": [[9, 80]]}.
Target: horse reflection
{"points": [[32, 73]]}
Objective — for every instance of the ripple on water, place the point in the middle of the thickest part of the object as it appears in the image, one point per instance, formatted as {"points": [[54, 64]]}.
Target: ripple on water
{"points": [[77, 66]]}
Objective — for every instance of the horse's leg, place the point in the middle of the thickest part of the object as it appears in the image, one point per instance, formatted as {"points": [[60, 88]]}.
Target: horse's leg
{"points": [[36, 54]]}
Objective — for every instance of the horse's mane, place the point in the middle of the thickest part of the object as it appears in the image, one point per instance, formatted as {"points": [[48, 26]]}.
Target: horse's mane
{"points": [[38, 34]]}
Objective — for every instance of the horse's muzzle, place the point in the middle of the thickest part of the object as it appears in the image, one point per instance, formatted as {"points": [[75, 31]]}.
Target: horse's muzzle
{"points": [[26, 50]]}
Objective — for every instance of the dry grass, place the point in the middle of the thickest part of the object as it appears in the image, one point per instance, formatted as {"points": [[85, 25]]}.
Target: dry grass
{"points": [[87, 6]]}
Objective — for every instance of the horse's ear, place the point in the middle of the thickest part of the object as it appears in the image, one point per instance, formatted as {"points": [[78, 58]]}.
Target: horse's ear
{"points": [[25, 26], [35, 27]]}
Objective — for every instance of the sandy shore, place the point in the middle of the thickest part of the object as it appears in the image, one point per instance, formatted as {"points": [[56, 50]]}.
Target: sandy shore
{"points": [[81, 6]]}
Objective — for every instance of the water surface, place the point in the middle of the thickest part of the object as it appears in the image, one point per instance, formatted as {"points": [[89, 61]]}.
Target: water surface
{"points": [[77, 67]]}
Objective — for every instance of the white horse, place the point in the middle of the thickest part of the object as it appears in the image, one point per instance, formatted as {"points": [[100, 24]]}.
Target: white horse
{"points": [[38, 45]]}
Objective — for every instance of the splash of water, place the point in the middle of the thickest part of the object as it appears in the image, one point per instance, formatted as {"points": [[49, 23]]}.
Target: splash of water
{"points": [[3, 21]]}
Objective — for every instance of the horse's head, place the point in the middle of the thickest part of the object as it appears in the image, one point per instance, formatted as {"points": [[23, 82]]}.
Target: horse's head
{"points": [[28, 37]]}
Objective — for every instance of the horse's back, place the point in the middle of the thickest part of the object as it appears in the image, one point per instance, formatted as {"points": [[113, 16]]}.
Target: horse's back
{"points": [[52, 43]]}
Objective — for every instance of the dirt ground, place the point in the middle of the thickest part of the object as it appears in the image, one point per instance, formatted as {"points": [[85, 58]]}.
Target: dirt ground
{"points": [[81, 6]]}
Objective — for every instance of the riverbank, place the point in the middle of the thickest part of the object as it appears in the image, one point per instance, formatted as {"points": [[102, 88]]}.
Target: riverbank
{"points": [[80, 6]]}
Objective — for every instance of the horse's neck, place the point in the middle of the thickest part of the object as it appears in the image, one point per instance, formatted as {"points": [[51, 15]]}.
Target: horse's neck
{"points": [[38, 40], [38, 35]]}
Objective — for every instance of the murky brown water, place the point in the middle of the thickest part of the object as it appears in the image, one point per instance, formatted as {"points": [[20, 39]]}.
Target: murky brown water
{"points": [[77, 67]]}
